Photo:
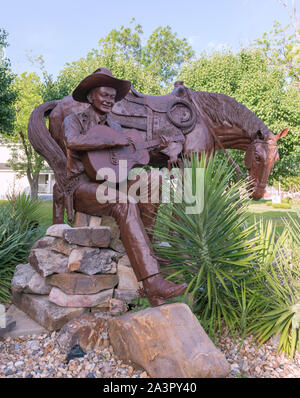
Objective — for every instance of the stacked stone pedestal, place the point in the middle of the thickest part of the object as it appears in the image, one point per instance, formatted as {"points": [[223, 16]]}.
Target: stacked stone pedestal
{"points": [[73, 270]]}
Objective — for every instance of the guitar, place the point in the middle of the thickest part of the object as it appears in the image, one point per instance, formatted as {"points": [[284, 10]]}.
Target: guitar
{"points": [[100, 164]]}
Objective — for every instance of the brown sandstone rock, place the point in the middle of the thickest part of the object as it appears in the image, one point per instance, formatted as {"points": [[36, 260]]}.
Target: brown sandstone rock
{"points": [[45, 313], [75, 283], [168, 342], [58, 297], [81, 220], [57, 230], [87, 236], [47, 262], [27, 280], [92, 261], [95, 221], [57, 244], [127, 278], [126, 295], [88, 330]]}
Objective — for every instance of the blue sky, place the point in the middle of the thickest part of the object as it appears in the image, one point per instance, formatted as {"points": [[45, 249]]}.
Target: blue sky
{"points": [[63, 31]]}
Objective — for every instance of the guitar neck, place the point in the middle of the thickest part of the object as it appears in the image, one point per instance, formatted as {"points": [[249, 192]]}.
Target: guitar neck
{"points": [[156, 141]]}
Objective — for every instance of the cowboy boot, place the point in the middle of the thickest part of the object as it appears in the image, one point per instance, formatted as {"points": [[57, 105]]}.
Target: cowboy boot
{"points": [[158, 290]]}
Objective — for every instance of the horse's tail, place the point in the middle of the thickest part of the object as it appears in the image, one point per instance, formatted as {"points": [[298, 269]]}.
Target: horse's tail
{"points": [[43, 142]]}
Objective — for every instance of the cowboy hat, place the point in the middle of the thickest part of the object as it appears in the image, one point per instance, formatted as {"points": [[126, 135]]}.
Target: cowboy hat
{"points": [[102, 77]]}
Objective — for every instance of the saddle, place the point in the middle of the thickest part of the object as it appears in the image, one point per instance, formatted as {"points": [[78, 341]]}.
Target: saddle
{"points": [[156, 114]]}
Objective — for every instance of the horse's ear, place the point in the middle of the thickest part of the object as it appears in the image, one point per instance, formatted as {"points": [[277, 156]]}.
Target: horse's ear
{"points": [[282, 134]]}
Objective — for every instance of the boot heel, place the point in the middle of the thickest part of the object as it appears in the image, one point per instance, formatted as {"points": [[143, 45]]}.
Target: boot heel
{"points": [[156, 301]]}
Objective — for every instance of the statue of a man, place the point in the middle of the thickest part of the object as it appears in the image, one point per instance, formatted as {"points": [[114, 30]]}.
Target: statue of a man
{"points": [[101, 90]]}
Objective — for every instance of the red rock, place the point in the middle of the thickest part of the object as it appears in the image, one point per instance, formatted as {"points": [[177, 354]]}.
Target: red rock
{"points": [[45, 313], [47, 262], [57, 230], [87, 236], [92, 261], [168, 342], [62, 299], [88, 330], [75, 283]]}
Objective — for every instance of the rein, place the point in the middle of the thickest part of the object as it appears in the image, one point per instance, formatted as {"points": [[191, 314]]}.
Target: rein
{"points": [[236, 167]]}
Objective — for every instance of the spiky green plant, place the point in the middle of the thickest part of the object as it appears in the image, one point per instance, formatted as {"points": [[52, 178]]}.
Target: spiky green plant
{"points": [[19, 229], [278, 284], [212, 250]]}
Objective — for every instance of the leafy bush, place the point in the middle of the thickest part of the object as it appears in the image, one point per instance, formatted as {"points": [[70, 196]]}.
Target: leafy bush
{"points": [[19, 229], [213, 250], [277, 284], [281, 205], [269, 203]]}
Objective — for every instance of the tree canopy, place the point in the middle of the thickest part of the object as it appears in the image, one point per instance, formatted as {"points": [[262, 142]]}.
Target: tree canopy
{"points": [[7, 93], [248, 77]]}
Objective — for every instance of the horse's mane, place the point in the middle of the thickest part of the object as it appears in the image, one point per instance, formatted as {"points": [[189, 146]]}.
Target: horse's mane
{"points": [[221, 108]]}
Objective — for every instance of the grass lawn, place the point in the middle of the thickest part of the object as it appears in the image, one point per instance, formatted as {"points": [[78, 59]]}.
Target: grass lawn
{"points": [[257, 210], [260, 210]]}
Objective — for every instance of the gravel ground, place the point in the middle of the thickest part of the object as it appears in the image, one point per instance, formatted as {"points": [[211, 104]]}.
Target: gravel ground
{"points": [[40, 357]]}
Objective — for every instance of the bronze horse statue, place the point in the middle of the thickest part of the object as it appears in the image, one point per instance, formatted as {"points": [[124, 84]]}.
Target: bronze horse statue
{"points": [[208, 122]]}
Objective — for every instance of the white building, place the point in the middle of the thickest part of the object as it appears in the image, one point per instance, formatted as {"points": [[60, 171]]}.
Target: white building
{"points": [[9, 182]]}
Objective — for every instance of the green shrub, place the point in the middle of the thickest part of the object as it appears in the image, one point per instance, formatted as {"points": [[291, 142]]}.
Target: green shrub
{"points": [[287, 200], [281, 205], [213, 251], [269, 203], [276, 285], [19, 229]]}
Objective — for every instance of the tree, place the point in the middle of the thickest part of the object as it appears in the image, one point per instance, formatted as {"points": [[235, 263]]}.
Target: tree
{"points": [[25, 160], [147, 66], [249, 78], [7, 93], [281, 45]]}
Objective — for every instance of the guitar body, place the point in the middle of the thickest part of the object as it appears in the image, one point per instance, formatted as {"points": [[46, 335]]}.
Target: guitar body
{"points": [[109, 163]]}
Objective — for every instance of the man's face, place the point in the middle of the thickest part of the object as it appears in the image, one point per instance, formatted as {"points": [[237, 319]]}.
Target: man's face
{"points": [[103, 99]]}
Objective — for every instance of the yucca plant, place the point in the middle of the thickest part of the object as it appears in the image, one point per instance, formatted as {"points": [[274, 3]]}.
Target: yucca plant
{"points": [[212, 250], [278, 284], [19, 229]]}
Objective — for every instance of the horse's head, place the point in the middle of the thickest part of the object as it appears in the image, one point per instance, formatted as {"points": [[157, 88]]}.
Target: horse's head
{"points": [[260, 157]]}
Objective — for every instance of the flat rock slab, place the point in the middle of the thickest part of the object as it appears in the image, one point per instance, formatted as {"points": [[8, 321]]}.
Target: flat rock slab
{"points": [[45, 313], [88, 330], [62, 299], [88, 236], [92, 261], [126, 295], [25, 326], [57, 230], [127, 278], [47, 262], [168, 342], [57, 244], [75, 283], [27, 280]]}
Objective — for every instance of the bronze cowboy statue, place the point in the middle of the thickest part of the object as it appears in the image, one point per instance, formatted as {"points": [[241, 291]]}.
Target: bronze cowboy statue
{"points": [[106, 119]]}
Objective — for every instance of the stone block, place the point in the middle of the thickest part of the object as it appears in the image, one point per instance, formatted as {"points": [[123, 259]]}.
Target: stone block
{"points": [[95, 221], [81, 220], [168, 342], [108, 221], [47, 262], [126, 295], [27, 280], [75, 283], [62, 299], [92, 261], [57, 244], [88, 330], [127, 278], [117, 245], [45, 313], [87, 236], [57, 230]]}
